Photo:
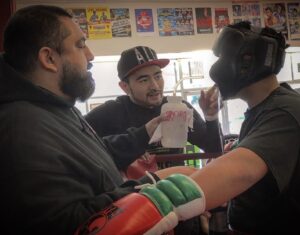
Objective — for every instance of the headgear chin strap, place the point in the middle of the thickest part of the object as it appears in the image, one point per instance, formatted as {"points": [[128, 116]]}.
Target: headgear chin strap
{"points": [[246, 55]]}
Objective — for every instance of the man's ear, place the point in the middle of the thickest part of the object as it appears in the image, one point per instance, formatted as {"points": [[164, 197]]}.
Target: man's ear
{"points": [[48, 59], [125, 87]]}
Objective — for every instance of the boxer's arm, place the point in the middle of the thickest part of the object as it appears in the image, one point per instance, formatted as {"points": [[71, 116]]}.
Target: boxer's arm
{"points": [[155, 209], [231, 174]]}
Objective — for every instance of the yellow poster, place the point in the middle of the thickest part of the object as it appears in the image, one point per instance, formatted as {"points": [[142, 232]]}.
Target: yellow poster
{"points": [[99, 22]]}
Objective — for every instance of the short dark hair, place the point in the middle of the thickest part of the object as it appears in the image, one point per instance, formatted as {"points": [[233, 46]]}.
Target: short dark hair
{"points": [[30, 29]]}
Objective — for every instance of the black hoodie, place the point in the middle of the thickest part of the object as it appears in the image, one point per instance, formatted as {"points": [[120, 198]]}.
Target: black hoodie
{"points": [[115, 116], [55, 171]]}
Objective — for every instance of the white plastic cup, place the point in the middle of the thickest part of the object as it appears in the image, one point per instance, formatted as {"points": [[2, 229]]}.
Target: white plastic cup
{"points": [[174, 129]]}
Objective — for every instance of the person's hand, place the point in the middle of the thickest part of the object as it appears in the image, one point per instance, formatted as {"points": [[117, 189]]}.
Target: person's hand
{"points": [[155, 209], [209, 103], [153, 124]]}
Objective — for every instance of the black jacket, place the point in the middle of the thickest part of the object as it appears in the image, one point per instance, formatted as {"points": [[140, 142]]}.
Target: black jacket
{"points": [[55, 172], [115, 116]]}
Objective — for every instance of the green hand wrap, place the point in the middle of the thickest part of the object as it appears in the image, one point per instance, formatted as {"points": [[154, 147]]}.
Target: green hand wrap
{"points": [[160, 200], [188, 187], [174, 194], [177, 193]]}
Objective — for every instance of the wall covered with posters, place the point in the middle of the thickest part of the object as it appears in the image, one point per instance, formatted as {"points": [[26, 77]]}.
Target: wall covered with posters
{"points": [[172, 26]]}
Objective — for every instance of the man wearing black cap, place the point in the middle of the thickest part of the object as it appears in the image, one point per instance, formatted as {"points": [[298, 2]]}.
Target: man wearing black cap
{"points": [[140, 73]]}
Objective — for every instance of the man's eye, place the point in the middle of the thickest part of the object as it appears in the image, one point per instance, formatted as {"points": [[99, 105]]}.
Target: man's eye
{"points": [[81, 45], [142, 80], [158, 76]]}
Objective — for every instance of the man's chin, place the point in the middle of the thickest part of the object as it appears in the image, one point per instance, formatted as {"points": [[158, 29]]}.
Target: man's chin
{"points": [[155, 102], [155, 98]]}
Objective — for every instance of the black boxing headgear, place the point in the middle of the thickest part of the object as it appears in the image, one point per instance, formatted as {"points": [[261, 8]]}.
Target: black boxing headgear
{"points": [[246, 54]]}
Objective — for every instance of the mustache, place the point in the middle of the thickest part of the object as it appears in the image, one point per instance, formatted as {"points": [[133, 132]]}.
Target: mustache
{"points": [[154, 92], [89, 66]]}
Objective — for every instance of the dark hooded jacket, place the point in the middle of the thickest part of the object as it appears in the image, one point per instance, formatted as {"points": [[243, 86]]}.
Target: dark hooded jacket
{"points": [[55, 171], [115, 116]]}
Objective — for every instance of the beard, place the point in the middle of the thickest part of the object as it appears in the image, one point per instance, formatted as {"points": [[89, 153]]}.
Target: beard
{"points": [[147, 101], [77, 84]]}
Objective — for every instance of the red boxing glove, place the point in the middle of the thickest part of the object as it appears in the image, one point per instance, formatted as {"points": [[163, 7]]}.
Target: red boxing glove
{"points": [[133, 214], [156, 209]]}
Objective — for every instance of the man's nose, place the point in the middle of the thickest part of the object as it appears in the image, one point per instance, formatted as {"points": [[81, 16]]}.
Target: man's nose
{"points": [[154, 83], [89, 54]]}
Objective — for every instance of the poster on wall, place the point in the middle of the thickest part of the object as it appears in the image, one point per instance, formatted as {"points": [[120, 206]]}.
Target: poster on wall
{"points": [[221, 18], [166, 22], [184, 21], [204, 20], [294, 20], [275, 17], [246, 10], [175, 21], [99, 24], [144, 21], [80, 18], [120, 22]]}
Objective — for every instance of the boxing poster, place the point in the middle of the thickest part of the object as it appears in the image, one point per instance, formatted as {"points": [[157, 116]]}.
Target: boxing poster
{"points": [[144, 20], [221, 18], [99, 24], [120, 22], [204, 20], [166, 22], [175, 21], [184, 21], [246, 10], [294, 20], [275, 17]]}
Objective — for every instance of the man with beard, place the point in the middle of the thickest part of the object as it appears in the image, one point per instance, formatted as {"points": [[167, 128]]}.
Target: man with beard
{"points": [[55, 171]]}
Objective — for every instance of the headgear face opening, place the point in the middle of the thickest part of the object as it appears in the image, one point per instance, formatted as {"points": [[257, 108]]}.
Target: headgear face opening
{"points": [[246, 55]]}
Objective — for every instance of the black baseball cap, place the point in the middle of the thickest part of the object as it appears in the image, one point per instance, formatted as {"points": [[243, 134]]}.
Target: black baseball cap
{"points": [[138, 57]]}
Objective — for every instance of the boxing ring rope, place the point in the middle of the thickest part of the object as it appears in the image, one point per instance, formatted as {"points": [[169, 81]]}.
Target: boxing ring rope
{"points": [[187, 159], [161, 158]]}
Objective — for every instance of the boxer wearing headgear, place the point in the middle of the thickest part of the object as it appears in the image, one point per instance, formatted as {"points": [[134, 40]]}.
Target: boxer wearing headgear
{"points": [[246, 54], [260, 177]]}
